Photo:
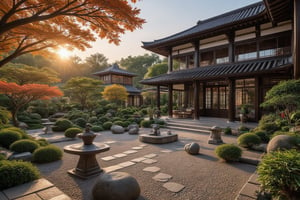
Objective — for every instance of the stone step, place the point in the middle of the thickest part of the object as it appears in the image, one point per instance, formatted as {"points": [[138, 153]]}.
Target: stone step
{"points": [[197, 130], [188, 125]]}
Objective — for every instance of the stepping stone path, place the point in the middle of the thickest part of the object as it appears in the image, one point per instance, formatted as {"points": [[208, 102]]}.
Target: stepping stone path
{"points": [[161, 177], [173, 187], [151, 169], [147, 159], [109, 142]]}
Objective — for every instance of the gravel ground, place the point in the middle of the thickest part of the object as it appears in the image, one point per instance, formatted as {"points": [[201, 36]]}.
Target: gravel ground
{"points": [[204, 176]]}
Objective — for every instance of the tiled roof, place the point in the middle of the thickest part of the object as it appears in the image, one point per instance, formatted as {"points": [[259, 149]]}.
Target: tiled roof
{"points": [[221, 71], [114, 69], [228, 18]]}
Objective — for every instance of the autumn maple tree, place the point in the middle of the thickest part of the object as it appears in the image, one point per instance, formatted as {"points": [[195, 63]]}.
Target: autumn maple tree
{"points": [[35, 25], [115, 93], [21, 95]]}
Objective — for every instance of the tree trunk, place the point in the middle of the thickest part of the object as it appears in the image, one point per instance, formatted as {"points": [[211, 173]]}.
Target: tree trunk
{"points": [[14, 117]]}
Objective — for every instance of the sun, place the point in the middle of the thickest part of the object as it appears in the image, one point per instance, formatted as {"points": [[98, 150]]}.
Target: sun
{"points": [[64, 53]]}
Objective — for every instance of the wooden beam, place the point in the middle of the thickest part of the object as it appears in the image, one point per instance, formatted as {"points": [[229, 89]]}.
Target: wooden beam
{"points": [[170, 61], [231, 103], [170, 101], [296, 49], [196, 100], [158, 99], [196, 54]]}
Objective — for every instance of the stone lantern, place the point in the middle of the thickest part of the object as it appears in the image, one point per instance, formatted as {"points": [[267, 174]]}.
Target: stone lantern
{"points": [[215, 135]]}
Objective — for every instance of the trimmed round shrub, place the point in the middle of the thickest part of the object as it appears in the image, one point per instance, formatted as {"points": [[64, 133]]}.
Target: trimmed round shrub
{"points": [[227, 131], [47, 154], [24, 145], [80, 122], [103, 119], [229, 152], [263, 136], [7, 137], [107, 125], [120, 123], [62, 125], [278, 173], [243, 129], [14, 173], [97, 128], [22, 132], [72, 132], [248, 140], [93, 120], [42, 142], [146, 123], [114, 119], [35, 116]]}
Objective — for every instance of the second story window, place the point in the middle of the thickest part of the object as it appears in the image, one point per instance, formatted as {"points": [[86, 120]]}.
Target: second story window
{"points": [[245, 51], [222, 56], [206, 58]]}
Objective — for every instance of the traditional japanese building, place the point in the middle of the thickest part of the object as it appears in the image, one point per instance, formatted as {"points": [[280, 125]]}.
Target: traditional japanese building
{"points": [[115, 75], [230, 60]]}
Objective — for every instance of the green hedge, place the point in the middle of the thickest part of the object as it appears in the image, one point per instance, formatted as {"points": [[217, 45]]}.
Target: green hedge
{"points": [[47, 154], [72, 132], [62, 125], [248, 140], [228, 152], [107, 125], [24, 145], [14, 173], [7, 137]]}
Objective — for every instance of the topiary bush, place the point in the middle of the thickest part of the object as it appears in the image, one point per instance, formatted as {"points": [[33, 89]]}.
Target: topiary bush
{"points": [[62, 125], [47, 154], [228, 152], [72, 132], [97, 128], [7, 137], [107, 125], [248, 140], [146, 123], [80, 122], [103, 119], [279, 174], [14, 173], [243, 129], [24, 145], [264, 137], [227, 131], [93, 120], [120, 123], [42, 142], [22, 132]]}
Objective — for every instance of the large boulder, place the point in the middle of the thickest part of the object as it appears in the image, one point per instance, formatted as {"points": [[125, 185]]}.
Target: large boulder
{"points": [[133, 129], [192, 148], [281, 142], [116, 186], [116, 129]]}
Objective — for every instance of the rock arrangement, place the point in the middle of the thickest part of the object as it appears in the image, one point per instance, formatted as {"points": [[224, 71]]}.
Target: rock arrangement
{"points": [[116, 129], [281, 142], [192, 148]]}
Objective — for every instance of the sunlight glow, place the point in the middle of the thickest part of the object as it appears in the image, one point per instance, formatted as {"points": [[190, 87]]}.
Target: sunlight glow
{"points": [[64, 53]]}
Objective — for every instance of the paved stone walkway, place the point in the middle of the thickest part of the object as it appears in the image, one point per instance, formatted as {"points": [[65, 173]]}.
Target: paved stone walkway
{"points": [[40, 189], [250, 189]]}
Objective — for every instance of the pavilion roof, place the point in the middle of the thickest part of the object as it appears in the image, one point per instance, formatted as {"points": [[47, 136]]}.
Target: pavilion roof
{"points": [[114, 69], [221, 23], [228, 70]]}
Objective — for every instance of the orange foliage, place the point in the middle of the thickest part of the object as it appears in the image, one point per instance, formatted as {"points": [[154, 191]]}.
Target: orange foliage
{"points": [[33, 25]]}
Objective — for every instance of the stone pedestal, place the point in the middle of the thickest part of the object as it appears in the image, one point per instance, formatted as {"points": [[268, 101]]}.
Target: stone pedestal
{"points": [[215, 135]]}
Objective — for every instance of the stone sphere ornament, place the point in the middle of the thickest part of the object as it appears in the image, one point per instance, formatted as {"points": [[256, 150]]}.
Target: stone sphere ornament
{"points": [[192, 148]]}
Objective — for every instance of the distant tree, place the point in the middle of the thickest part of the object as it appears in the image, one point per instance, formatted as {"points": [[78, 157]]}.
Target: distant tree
{"points": [[139, 65], [23, 74], [115, 93], [33, 60], [83, 90], [157, 69], [96, 62], [29, 26], [284, 97], [21, 95]]}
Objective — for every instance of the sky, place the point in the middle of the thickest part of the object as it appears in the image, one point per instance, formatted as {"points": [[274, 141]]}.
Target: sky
{"points": [[163, 18]]}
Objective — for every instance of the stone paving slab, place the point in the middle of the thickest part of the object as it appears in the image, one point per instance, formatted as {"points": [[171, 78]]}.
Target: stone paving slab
{"points": [[142, 145], [152, 155], [250, 190], [130, 151], [151, 169], [162, 177], [137, 148], [27, 188], [110, 142], [61, 197], [173, 187], [30, 197], [112, 168], [50, 193], [254, 179], [166, 151], [120, 155], [149, 161], [126, 164], [242, 197], [108, 158], [138, 159]]}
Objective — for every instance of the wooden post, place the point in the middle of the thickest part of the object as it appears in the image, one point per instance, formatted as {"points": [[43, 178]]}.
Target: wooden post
{"points": [[196, 54], [296, 48], [170, 61], [170, 101], [231, 103], [196, 100], [158, 100], [258, 98], [230, 37]]}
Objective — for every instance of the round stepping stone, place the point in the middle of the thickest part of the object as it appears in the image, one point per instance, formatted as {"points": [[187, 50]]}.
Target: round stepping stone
{"points": [[116, 185], [161, 177], [151, 169], [173, 187]]}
